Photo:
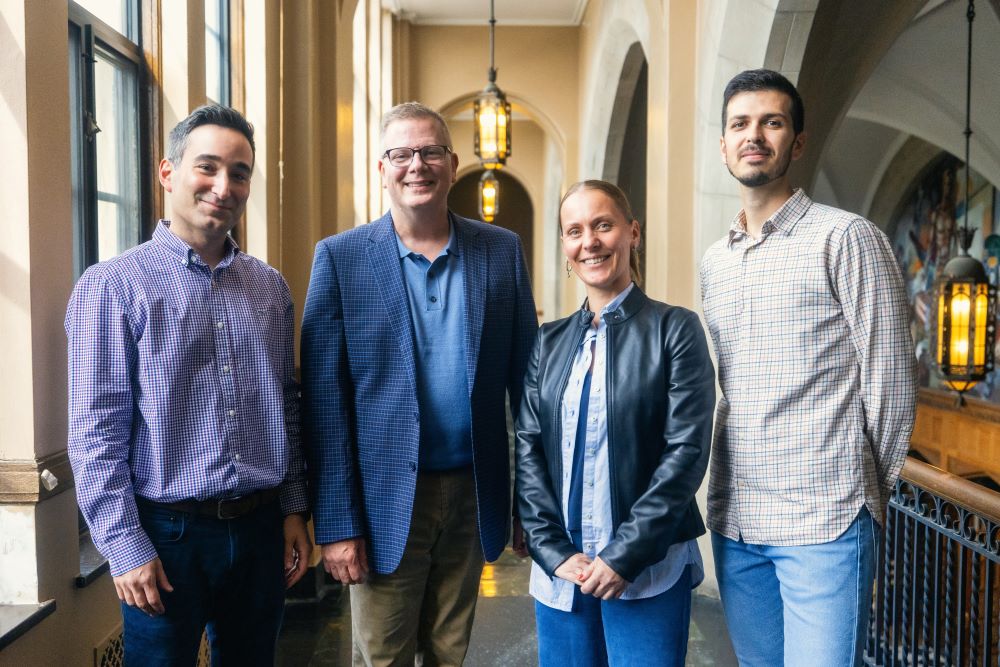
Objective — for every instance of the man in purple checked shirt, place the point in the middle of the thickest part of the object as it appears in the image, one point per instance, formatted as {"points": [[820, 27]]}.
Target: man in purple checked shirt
{"points": [[184, 416]]}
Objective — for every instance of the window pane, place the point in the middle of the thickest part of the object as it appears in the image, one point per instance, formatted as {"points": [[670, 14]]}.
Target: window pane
{"points": [[217, 50], [117, 147], [118, 14]]}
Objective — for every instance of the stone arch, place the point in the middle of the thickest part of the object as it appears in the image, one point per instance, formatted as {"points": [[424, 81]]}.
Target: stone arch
{"points": [[516, 205]]}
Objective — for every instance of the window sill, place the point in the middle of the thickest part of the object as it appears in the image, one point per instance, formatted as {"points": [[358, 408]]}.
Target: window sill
{"points": [[17, 619], [92, 563]]}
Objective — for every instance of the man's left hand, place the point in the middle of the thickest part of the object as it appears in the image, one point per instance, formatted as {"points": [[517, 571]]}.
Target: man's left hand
{"points": [[602, 582], [297, 548]]}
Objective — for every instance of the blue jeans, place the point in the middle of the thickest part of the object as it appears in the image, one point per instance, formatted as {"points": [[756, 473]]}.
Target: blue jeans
{"points": [[597, 633], [227, 578], [800, 605]]}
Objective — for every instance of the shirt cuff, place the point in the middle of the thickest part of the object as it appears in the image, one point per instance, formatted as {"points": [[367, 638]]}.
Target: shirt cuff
{"points": [[128, 552], [293, 498]]}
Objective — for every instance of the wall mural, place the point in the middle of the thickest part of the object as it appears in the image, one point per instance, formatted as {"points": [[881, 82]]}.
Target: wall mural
{"points": [[924, 241]]}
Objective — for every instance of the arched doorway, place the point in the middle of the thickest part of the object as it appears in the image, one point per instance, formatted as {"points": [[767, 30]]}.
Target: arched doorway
{"points": [[625, 155], [516, 211]]}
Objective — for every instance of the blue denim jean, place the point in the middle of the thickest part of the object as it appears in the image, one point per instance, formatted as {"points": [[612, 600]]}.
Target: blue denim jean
{"points": [[799, 605], [227, 579], [619, 633]]}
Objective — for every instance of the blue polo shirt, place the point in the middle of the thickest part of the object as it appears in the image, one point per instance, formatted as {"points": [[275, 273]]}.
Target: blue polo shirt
{"points": [[436, 293]]}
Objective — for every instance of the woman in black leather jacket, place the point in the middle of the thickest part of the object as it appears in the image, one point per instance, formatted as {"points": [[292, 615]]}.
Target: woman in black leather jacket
{"points": [[612, 442]]}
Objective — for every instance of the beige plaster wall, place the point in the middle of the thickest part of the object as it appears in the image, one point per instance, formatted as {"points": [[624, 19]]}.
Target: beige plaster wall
{"points": [[36, 266], [667, 33], [538, 69]]}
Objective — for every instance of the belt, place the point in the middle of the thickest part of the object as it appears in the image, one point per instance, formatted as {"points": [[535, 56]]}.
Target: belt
{"points": [[221, 508]]}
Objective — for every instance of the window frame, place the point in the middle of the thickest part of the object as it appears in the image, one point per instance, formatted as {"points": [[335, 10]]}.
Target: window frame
{"points": [[93, 35]]}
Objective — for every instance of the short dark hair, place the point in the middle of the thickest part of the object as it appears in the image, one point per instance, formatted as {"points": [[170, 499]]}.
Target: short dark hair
{"points": [[764, 79], [208, 114]]}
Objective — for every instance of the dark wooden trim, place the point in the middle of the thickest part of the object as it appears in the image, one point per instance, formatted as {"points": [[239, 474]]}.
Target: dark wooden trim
{"points": [[946, 400], [152, 100]]}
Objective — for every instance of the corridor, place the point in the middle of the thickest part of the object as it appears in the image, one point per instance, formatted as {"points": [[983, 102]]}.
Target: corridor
{"points": [[318, 634]]}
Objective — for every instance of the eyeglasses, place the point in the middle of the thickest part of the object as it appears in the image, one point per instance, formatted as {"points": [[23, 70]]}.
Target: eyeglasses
{"points": [[402, 157]]}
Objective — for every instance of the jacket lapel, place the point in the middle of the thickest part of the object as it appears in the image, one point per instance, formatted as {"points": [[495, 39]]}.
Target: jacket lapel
{"points": [[474, 263], [383, 257]]}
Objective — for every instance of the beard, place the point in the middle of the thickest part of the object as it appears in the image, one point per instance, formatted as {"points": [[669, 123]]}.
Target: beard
{"points": [[760, 176]]}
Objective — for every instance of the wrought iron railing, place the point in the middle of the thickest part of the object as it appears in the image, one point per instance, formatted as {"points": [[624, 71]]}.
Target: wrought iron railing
{"points": [[936, 589]]}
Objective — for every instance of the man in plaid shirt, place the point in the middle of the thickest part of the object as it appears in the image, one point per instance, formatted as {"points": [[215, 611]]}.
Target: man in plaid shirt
{"points": [[184, 417], [808, 313]]}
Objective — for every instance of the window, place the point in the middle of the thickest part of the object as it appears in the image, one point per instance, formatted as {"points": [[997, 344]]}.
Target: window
{"points": [[217, 60], [107, 130]]}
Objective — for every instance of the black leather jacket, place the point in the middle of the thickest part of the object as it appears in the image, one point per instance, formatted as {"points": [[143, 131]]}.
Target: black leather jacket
{"points": [[660, 399]]}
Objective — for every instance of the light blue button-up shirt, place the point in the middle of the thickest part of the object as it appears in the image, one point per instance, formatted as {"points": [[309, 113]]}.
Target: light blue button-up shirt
{"points": [[596, 520]]}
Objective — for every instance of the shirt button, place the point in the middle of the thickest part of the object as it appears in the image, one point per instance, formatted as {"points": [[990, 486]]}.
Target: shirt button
{"points": [[593, 420], [232, 413], [590, 484], [237, 457], [220, 324], [184, 262], [225, 369], [433, 299], [588, 516]]}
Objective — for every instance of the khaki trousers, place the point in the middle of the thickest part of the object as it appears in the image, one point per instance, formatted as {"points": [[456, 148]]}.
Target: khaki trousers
{"points": [[422, 613]]}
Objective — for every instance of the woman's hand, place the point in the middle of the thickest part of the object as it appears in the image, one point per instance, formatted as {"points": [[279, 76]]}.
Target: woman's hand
{"points": [[601, 581], [573, 568]]}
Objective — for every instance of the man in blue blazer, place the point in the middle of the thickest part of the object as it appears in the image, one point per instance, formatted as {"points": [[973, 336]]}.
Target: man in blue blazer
{"points": [[416, 327]]}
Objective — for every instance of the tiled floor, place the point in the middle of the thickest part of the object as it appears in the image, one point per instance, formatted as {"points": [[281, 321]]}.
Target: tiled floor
{"points": [[319, 634]]}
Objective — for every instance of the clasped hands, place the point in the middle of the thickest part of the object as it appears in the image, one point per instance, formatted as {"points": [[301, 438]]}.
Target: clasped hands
{"points": [[594, 577]]}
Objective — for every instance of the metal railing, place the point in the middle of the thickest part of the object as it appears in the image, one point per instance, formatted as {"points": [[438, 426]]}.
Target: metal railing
{"points": [[936, 589]]}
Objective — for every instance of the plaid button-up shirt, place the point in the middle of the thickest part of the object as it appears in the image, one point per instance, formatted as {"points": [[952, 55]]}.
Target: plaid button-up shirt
{"points": [[811, 328], [181, 386]]}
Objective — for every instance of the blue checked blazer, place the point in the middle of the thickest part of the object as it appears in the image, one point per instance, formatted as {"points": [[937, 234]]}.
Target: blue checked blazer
{"points": [[361, 421]]}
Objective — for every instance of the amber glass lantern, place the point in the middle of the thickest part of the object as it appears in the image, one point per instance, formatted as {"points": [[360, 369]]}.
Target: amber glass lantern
{"points": [[491, 117], [489, 196], [491, 111], [966, 316], [966, 321]]}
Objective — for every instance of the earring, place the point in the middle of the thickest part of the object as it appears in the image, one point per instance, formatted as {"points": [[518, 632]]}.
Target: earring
{"points": [[569, 270]]}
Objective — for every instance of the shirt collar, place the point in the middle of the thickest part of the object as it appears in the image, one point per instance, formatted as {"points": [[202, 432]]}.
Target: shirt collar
{"points": [[783, 219], [617, 301], [588, 317], [450, 249], [173, 243]]}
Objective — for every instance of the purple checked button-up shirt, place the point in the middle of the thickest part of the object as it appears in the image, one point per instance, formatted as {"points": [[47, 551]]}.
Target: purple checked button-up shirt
{"points": [[181, 386]]}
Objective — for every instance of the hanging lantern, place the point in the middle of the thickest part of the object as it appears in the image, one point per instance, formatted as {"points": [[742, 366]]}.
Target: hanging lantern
{"points": [[489, 195], [966, 320], [491, 117], [966, 316]]}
